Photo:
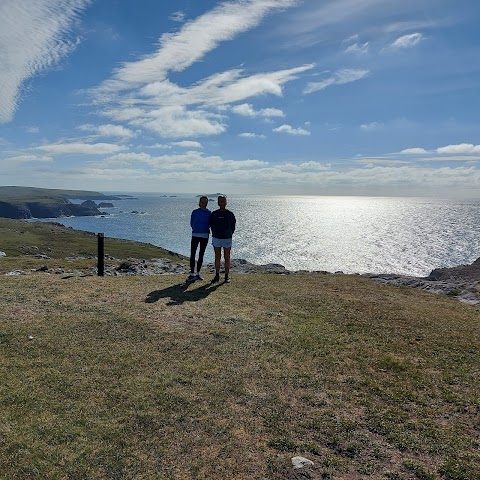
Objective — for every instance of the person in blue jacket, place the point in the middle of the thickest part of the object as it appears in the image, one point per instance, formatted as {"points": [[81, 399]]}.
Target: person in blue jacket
{"points": [[199, 221]]}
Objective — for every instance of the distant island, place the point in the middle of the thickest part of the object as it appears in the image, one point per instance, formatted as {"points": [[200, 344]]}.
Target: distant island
{"points": [[32, 202]]}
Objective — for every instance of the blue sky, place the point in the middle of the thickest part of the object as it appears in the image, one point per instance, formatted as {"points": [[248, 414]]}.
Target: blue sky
{"points": [[322, 97]]}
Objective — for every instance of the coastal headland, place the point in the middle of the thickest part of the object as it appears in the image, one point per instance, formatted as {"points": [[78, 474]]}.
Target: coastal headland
{"points": [[30, 202]]}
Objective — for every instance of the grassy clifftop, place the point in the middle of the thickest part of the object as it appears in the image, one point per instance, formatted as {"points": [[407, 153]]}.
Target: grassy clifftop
{"points": [[26, 244], [16, 193], [151, 378]]}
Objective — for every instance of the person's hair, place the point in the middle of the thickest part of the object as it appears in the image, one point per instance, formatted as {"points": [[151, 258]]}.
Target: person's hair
{"points": [[203, 196], [221, 196]]}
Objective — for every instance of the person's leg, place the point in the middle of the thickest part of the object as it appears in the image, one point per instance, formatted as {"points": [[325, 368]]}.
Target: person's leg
{"points": [[203, 246], [193, 251], [218, 256], [226, 256]]}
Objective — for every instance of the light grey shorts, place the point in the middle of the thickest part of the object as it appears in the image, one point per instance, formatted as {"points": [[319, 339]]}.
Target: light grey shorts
{"points": [[222, 242]]}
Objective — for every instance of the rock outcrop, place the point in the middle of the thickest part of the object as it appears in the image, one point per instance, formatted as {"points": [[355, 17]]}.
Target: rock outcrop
{"points": [[461, 282]]}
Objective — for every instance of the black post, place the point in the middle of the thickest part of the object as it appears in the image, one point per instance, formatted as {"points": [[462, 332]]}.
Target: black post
{"points": [[101, 254]]}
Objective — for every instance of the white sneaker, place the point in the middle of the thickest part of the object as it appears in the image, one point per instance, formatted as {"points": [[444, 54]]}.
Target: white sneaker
{"points": [[198, 276]]}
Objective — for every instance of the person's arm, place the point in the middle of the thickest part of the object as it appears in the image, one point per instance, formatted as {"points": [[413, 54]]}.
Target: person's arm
{"points": [[234, 223], [191, 218]]}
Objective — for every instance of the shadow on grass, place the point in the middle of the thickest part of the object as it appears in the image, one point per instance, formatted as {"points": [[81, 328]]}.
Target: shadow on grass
{"points": [[180, 293]]}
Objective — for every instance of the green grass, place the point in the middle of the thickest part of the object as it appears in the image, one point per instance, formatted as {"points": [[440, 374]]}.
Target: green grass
{"points": [[22, 240], [150, 378]]}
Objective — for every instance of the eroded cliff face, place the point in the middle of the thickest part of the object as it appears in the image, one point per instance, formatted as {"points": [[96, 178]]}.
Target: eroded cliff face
{"points": [[22, 210]]}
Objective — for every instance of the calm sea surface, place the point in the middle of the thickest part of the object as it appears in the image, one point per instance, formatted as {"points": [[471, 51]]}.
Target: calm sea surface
{"points": [[352, 234]]}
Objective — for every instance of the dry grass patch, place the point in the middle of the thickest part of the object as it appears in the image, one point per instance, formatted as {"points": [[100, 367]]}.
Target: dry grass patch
{"points": [[148, 378]]}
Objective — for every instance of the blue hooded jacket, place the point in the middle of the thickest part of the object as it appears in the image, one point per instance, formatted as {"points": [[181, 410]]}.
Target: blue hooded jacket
{"points": [[199, 221]]}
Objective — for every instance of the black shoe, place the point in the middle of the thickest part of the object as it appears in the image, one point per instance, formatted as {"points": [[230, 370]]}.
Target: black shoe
{"points": [[216, 278], [227, 280]]}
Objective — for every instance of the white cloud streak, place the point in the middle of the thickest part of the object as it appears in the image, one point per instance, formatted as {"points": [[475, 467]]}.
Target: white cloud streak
{"points": [[34, 36], [340, 77], [357, 48], [80, 148], [405, 41]]}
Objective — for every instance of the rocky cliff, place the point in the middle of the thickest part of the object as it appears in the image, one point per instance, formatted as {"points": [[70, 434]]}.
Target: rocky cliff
{"points": [[54, 209]]}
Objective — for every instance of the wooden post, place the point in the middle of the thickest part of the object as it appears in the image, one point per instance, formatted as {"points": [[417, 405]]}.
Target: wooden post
{"points": [[101, 255]]}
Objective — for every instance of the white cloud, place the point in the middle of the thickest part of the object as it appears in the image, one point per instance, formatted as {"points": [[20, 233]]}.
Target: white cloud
{"points": [[159, 146], [188, 162], [406, 41], [251, 135], [33, 38], [460, 148], [414, 151], [80, 148], [357, 48], [177, 16], [338, 78], [109, 130], [27, 159], [246, 110], [188, 144], [32, 130], [368, 127], [452, 158], [290, 130], [178, 122]]}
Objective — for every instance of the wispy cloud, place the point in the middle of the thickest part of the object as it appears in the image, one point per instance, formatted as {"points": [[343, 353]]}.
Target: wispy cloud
{"points": [[340, 77], [27, 159], [109, 130], [34, 36], [290, 130], [357, 48], [405, 41], [368, 127], [177, 16]]}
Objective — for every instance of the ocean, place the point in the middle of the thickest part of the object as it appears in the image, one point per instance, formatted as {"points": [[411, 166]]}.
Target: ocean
{"points": [[409, 236]]}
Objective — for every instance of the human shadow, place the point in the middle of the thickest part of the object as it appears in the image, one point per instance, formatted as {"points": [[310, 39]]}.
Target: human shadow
{"points": [[181, 293]]}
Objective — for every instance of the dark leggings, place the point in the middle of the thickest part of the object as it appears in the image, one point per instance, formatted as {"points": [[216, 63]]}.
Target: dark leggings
{"points": [[193, 250]]}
